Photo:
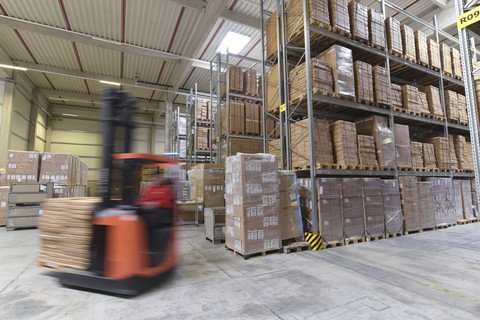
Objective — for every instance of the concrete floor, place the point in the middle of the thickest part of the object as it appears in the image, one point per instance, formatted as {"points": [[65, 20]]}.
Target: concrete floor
{"points": [[432, 275]]}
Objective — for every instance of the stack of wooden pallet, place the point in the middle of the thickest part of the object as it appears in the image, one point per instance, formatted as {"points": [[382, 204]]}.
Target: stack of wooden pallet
{"points": [[66, 233]]}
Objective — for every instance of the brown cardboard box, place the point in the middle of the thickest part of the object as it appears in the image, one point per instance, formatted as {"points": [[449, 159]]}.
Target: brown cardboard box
{"points": [[411, 100], [444, 201], [469, 157], [202, 112], [462, 108], [62, 168], [417, 154], [289, 214], [372, 187], [353, 220], [446, 59], [250, 82], [433, 98], [429, 159], [252, 119], [272, 98], [434, 54], [394, 35], [3, 204], [363, 80], [422, 97], [374, 216], [453, 156], [22, 166], [322, 80], [207, 183], [271, 44], [214, 221], [397, 100], [392, 207], [367, 155], [329, 188], [330, 220], [421, 48], [441, 147], [376, 28], [426, 205], [358, 20], [390, 186], [410, 202], [352, 187], [340, 60], [377, 127], [456, 63], [345, 142], [402, 144], [381, 83], [235, 80], [339, 16], [467, 200], [451, 104], [408, 40], [236, 119], [458, 202]]}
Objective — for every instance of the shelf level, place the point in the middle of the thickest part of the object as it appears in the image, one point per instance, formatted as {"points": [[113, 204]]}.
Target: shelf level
{"points": [[381, 173]]}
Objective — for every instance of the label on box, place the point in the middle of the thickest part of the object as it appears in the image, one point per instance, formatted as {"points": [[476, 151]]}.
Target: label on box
{"points": [[41, 211], [238, 245], [237, 222], [325, 201], [270, 221], [369, 218], [320, 190], [3, 204], [269, 200], [346, 200], [271, 244], [324, 180], [387, 198], [347, 220], [326, 223], [367, 198]]}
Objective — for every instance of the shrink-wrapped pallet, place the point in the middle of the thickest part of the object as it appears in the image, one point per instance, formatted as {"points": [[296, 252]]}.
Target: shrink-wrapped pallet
{"points": [[377, 127], [441, 147], [446, 58], [364, 82], [451, 105], [434, 54], [397, 100], [366, 151], [417, 154], [456, 63], [392, 207], [376, 29], [381, 83], [358, 21], [429, 158], [410, 202], [402, 146], [339, 16], [340, 60]]}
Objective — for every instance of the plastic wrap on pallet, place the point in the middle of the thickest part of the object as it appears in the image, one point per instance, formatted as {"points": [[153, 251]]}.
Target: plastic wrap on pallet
{"points": [[394, 35], [250, 82], [358, 20], [289, 207], [182, 125], [392, 207], [434, 54], [433, 99], [339, 15], [456, 63], [376, 28], [421, 47], [468, 156], [304, 191], [417, 154], [408, 40], [446, 59], [363, 81], [321, 79], [397, 96], [458, 202], [467, 200], [340, 60], [367, 155], [252, 203], [330, 220], [301, 143], [422, 97], [344, 135], [381, 82], [22, 166], [402, 145], [374, 216], [410, 202], [444, 201], [353, 219], [377, 127], [426, 205]]}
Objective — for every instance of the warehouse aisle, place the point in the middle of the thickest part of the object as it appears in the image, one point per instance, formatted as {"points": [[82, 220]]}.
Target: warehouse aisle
{"points": [[432, 275]]}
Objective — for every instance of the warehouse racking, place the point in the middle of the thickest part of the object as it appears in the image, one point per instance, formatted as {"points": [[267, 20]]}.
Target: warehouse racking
{"points": [[398, 69]]}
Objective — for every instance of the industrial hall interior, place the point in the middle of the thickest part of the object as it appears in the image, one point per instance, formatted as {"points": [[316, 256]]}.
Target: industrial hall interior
{"points": [[239, 159]]}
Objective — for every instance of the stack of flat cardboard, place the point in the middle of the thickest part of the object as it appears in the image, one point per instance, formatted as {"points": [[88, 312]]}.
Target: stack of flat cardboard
{"points": [[358, 20], [366, 151], [373, 207], [434, 54], [451, 104], [462, 108], [408, 39], [339, 15], [202, 110], [381, 84], [402, 144], [456, 63], [376, 28], [453, 155], [421, 47], [235, 80], [201, 136], [446, 58], [319, 16], [411, 99], [322, 80], [397, 100], [363, 81], [433, 99], [345, 142], [252, 119], [441, 152], [352, 208], [429, 158], [250, 82], [426, 205], [394, 36], [330, 209], [417, 154], [236, 119], [410, 203]]}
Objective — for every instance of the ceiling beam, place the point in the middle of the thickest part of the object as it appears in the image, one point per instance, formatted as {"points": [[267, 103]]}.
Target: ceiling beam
{"points": [[194, 4], [210, 16], [440, 3], [241, 18]]}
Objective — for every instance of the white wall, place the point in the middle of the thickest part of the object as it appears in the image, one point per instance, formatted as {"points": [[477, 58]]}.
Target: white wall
{"points": [[20, 121]]}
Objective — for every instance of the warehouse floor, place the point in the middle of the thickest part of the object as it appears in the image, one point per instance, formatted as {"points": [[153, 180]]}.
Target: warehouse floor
{"points": [[432, 275]]}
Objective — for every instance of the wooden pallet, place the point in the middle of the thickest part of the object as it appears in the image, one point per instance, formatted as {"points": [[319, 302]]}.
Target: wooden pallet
{"points": [[370, 238], [387, 169], [437, 117], [383, 106], [426, 115], [376, 46], [325, 166], [366, 102], [444, 226], [406, 233], [434, 68], [341, 32], [332, 244], [432, 169], [361, 40], [253, 255], [296, 247], [395, 53], [405, 169], [408, 58], [345, 97], [252, 94], [354, 241], [216, 241], [393, 235], [448, 74], [398, 109], [423, 64]]}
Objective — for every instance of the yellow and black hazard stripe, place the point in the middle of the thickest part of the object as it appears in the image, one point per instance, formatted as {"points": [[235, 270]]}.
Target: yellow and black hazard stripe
{"points": [[315, 240]]}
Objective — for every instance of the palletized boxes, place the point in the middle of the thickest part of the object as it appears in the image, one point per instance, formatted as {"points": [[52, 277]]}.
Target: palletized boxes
{"points": [[402, 144], [301, 143], [3, 204], [426, 205], [433, 99], [410, 98], [434, 54], [446, 59], [202, 110], [417, 154], [441, 152], [456, 63], [363, 81], [330, 209], [377, 127], [252, 119], [469, 157], [444, 201], [236, 119], [250, 82], [201, 136], [421, 48], [237, 145], [271, 92], [392, 207], [461, 152], [397, 100], [344, 135], [394, 36], [322, 80], [289, 208], [271, 45], [381, 83], [273, 129], [410, 203], [352, 208], [458, 202], [235, 80], [451, 104], [429, 158], [408, 40], [467, 200], [22, 166], [207, 184], [252, 200], [340, 60], [373, 207], [462, 108], [359, 21], [453, 156], [376, 29], [367, 155], [339, 16]]}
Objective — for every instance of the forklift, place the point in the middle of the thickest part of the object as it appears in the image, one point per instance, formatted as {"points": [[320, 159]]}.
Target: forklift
{"points": [[134, 234]]}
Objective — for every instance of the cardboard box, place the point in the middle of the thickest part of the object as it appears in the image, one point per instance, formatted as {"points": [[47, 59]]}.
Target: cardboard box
{"points": [[207, 183], [408, 41], [451, 105], [417, 154], [397, 99], [340, 60], [376, 29], [22, 166], [433, 98], [462, 108], [372, 187], [289, 213], [467, 202], [377, 127], [3, 204], [374, 216], [363, 80], [353, 219], [352, 187], [250, 82], [24, 211], [235, 80], [322, 80], [434, 54], [446, 59], [411, 99], [359, 21], [394, 36], [444, 201], [329, 188], [410, 202], [214, 220], [345, 142], [240, 145], [187, 211], [429, 158], [421, 48], [339, 16], [381, 83], [456, 63], [367, 155], [426, 205], [22, 222], [330, 220], [390, 186], [402, 144]]}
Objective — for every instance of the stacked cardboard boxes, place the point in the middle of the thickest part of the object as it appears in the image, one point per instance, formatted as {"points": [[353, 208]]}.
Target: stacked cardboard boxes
{"points": [[381, 84], [462, 108], [411, 99], [376, 29], [252, 119], [434, 54], [339, 16], [272, 98], [289, 214], [456, 63], [366, 151], [273, 129], [330, 209], [340, 60], [392, 206], [408, 39], [250, 82], [319, 16], [207, 184], [440, 145], [433, 99], [345, 142], [429, 158], [235, 80], [444, 201], [252, 200], [22, 166], [469, 157], [241, 145], [373, 207], [322, 80], [467, 201], [271, 45], [417, 154], [202, 110], [236, 119], [301, 143], [394, 36], [453, 156], [377, 127], [458, 202], [410, 203], [402, 144], [352, 208], [421, 48], [4, 190], [446, 58], [426, 205], [397, 100], [202, 138], [460, 147], [451, 104], [363, 81], [359, 21]]}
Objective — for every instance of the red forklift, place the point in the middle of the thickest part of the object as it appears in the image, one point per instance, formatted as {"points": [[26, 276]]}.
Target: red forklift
{"points": [[134, 234]]}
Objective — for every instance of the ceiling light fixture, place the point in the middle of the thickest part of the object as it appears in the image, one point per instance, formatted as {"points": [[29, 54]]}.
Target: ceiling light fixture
{"points": [[69, 114], [12, 67], [110, 82], [233, 42]]}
